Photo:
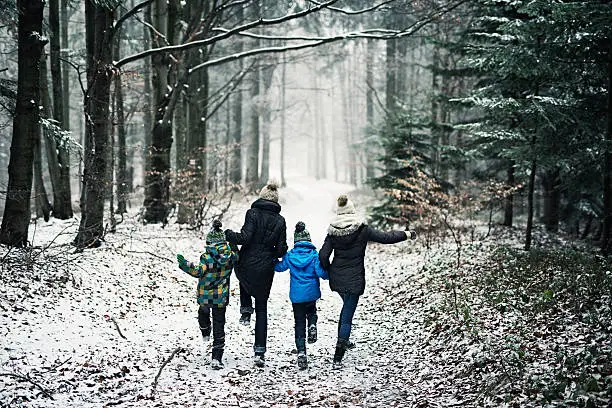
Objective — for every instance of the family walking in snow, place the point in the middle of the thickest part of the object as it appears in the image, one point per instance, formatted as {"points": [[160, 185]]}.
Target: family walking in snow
{"points": [[263, 241]]}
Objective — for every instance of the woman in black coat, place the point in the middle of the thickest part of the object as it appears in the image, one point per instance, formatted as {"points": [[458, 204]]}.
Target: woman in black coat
{"points": [[348, 237], [264, 239]]}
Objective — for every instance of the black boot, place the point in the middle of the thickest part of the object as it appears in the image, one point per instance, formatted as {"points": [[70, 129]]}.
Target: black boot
{"points": [[245, 319], [341, 346], [217, 355]]}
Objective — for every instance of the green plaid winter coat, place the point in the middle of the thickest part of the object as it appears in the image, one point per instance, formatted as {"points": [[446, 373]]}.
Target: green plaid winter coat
{"points": [[213, 274]]}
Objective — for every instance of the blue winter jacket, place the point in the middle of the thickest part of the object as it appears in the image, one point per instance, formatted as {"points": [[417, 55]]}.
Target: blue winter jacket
{"points": [[305, 269]]}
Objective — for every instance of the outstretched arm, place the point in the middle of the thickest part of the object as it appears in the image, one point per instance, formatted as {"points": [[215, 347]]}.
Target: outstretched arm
{"points": [[382, 237], [196, 271], [325, 253]]}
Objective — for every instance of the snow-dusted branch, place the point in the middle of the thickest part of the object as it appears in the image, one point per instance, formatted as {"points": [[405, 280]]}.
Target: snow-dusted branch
{"points": [[374, 33], [130, 13], [355, 12], [207, 41]]}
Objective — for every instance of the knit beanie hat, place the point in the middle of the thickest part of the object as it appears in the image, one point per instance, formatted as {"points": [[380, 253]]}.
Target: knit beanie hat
{"points": [[345, 206], [270, 191], [301, 234], [215, 235]]}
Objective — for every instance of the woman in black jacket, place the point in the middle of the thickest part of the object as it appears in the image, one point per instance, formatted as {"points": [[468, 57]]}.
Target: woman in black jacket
{"points": [[348, 237], [264, 239]]}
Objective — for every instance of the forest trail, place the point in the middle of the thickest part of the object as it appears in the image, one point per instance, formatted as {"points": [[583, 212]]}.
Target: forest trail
{"points": [[72, 347]]}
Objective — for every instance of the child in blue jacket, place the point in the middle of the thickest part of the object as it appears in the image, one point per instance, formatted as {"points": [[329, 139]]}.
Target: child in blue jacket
{"points": [[304, 290]]}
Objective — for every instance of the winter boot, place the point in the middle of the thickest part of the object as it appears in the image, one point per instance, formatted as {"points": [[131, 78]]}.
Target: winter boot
{"points": [[215, 362], [312, 333], [259, 359], [245, 319], [350, 345], [302, 360], [205, 333], [339, 354]]}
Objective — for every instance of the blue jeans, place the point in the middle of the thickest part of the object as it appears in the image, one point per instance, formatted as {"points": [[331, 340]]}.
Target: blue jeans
{"points": [[346, 315]]}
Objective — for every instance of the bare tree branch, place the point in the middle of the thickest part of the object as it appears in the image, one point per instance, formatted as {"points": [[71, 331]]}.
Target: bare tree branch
{"points": [[355, 12], [166, 361], [211, 40], [28, 379], [130, 13]]}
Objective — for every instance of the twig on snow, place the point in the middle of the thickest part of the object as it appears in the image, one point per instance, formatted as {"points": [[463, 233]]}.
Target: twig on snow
{"points": [[117, 327], [175, 352], [153, 255], [28, 379]]}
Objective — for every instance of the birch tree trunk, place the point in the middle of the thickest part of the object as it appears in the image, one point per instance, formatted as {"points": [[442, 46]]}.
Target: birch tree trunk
{"points": [[236, 153], [26, 124]]}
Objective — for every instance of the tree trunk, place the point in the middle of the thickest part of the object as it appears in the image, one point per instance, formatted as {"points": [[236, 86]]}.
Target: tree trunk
{"points": [[48, 133], [346, 116], [606, 240], [552, 197], [157, 178], [43, 206], [509, 199], [122, 173], [391, 76], [252, 171], [62, 206], [267, 74], [283, 130], [236, 153], [99, 21], [530, 196], [65, 67], [370, 107], [26, 124]]}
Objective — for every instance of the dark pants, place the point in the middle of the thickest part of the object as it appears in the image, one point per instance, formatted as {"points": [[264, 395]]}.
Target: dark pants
{"points": [[246, 303], [346, 315], [218, 327], [261, 317], [302, 313], [261, 325]]}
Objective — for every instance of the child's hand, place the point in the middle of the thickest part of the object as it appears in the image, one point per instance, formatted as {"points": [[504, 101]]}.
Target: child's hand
{"points": [[181, 260]]}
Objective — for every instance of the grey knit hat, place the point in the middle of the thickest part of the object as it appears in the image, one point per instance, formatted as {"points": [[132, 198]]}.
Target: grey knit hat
{"points": [[301, 234], [345, 206], [270, 191], [216, 234]]}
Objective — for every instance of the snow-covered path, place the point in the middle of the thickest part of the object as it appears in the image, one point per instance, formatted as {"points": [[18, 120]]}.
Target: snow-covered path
{"points": [[67, 342]]}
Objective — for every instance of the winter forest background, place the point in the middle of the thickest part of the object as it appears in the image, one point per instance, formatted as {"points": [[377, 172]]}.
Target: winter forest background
{"points": [[127, 126]]}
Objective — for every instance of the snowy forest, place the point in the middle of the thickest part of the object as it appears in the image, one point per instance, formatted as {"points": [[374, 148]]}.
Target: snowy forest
{"points": [[470, 139]]}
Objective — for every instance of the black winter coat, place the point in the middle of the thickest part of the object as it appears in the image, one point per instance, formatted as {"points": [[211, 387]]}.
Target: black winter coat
{"points": [[264, 239], [347, 270]]}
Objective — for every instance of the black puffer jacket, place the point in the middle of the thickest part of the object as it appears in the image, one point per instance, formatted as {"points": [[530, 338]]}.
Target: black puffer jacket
{"points": [[264, 239], [347, 270]]}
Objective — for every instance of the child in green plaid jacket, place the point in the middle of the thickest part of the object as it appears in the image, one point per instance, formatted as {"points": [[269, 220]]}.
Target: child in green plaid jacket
{"points": [[213, 273]]}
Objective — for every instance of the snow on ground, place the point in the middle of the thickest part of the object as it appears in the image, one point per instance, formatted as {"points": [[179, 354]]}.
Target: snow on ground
{"points": [[63, 316]]}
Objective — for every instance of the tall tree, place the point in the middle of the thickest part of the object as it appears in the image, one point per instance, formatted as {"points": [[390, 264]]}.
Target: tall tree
{"points": [[62, 205], [26, 124], [98, 32]]}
